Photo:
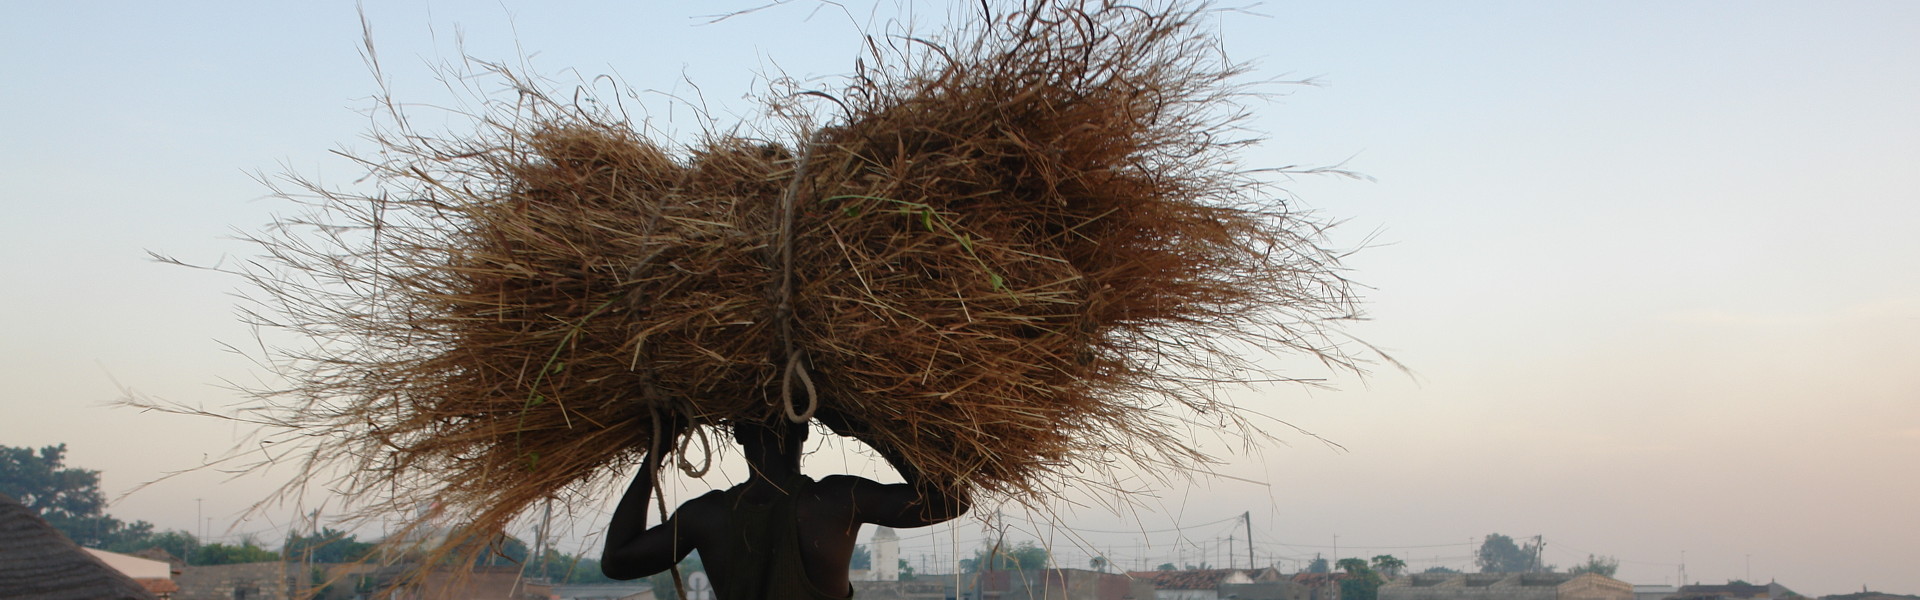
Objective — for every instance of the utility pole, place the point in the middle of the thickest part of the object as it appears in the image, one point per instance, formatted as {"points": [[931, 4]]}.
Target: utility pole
{"points": [[1230, 555], [546, 521], [305, 581], [1248, 518]]}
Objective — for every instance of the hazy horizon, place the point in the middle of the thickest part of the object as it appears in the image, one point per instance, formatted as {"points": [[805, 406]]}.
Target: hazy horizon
{"points": [[1651, 265]]}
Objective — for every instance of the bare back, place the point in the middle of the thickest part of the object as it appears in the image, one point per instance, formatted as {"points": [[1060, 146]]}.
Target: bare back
{"points": [[825, 521]]}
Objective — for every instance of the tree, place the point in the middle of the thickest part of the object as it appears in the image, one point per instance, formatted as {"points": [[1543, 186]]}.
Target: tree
{"points": [[1166, 567], [1598, 565], [560, 567], [1361, 583], [1024, 556], [326, 546], [1500, 555], [178, 543], [1352, 566], [1388, 566], [1438, 569], [224, 554], [662, 582], [1319, 565], [906, 570], [67, 498], [1098, 563], [862, 558]]}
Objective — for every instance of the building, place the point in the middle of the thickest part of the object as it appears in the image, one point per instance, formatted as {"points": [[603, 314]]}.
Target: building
{"points": [[1506, 586], [37, 561], [1060, 584], [1192, 584], [155, 575], [1655, 592], [1315, 586], [886, 555], [1738, 591], [884, 558], [640, 590], [1863, 594]]}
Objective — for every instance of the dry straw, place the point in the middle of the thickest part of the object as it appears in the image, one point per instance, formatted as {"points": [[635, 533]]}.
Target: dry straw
{"points": [[1021, 256]]}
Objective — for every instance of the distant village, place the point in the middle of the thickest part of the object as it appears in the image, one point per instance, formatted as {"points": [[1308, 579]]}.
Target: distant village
{"points": [[40, 561]]}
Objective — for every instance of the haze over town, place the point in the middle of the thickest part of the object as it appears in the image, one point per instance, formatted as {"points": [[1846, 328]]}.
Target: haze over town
{"points": [[1651, 265]]}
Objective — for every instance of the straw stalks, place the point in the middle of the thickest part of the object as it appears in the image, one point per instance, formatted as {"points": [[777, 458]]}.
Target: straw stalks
{"points": [[1022, 256]]}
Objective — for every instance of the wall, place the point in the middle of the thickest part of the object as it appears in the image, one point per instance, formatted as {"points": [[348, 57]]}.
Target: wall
{"points": [[1470, 587], [1266, 590], [901, 590], [1495, 586], [1595, 587], [249, 581]]}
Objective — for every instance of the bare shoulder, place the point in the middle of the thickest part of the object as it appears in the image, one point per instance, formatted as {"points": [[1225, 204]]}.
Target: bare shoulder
{"points": [[708, 503], [834, 483]]}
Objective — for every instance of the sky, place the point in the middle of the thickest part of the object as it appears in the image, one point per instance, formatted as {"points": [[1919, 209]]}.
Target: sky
{"points": [[1650, 265]]}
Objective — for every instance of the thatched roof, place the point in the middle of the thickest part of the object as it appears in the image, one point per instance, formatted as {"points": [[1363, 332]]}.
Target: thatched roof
{"points": [[38, 562]]}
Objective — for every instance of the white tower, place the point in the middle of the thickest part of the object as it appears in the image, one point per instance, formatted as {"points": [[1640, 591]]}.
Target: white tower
{"points": [[886, 555]]}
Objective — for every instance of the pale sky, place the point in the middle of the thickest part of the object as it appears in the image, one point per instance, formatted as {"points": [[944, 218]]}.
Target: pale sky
{"points": [[1652, 264]]}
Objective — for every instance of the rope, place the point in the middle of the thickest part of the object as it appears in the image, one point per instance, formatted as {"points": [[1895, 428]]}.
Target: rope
{"points": [[786, 390], [783, 305], [660, 495], [706, 451]]}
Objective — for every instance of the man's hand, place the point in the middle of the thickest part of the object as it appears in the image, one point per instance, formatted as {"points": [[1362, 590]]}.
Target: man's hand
{"points": [[672, 425], [840, 423]]}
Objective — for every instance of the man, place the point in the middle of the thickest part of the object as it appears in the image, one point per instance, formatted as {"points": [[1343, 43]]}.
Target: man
{"points": [[778, 535]]}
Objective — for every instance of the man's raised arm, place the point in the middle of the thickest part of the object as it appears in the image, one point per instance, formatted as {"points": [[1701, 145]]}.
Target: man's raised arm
{"points": [[916, 503], [632, 550]]}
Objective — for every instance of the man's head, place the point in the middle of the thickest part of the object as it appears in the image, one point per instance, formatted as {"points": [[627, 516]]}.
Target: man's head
{"points": [[771, 446]]}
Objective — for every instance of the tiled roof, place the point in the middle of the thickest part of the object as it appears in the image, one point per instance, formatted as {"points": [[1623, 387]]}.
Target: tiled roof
{"points": [[1318, 578], [37, 561], [158, 586], [1192, 579], [1732, 590]]}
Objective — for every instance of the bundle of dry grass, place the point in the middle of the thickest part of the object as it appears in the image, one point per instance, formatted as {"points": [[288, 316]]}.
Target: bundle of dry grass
{"points": [[1022, 256]]}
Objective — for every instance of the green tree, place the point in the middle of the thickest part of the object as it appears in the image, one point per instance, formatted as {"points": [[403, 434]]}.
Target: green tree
{"points": [[1361, 583], [862, 557], [1166, 567], [1026, 555], [1438, 569], [1098, 563], [326, 546], [1388, 566], [1598, 565], [178, 543], [1352, 566], [1319, 565], [906, 570], [225, 554], [67, 498], [560, 567], [1499, 554], [662, 582]]}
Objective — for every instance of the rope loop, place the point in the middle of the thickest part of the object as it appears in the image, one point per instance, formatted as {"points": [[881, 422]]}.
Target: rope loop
{"points": [[706, 453], [783, 299], [796, 368]]}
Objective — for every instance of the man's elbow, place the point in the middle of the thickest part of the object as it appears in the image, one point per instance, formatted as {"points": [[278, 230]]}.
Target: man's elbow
{"points": [[617, 569], [950, 507]]}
